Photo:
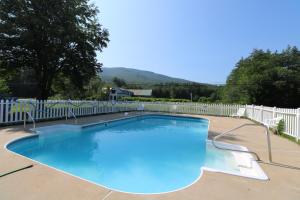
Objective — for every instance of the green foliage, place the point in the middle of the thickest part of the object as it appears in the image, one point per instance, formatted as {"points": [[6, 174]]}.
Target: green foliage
{"points": [[183, 91], [135, 86], [94, 90], [265, 78], [206, 100], [119, 82], [51, 38], [280, 127], [64, 89], [3, 87], [291, 138], [148, 99]]}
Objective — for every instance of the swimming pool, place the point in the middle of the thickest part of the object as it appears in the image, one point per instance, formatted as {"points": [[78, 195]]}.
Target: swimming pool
{"points": [[145, 154]]}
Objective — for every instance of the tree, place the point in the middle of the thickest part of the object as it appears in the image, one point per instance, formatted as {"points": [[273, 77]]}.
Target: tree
{"points": [[50, 38], [94, 90], [119, 82], [4, 89], [266, 78], [184, 90]]}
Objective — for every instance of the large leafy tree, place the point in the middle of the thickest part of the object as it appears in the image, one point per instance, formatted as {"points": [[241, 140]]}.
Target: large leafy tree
{"points": [[266, 78], [51, 38], [119, 82], [4, 89], [93, 90]]}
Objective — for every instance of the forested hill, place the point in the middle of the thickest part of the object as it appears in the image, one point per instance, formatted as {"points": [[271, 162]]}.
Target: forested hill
{"points": [[135, 76]]}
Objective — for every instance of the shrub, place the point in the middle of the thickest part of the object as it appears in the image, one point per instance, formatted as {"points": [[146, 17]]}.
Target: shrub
{"points": [[280, 127]]}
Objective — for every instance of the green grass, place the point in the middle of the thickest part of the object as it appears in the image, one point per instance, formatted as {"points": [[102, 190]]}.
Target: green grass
{"points": [[28, 107], [291, 138], [20, 108]]}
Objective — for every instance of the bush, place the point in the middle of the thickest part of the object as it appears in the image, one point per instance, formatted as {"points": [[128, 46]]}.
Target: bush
{"points": [[280, 127]]}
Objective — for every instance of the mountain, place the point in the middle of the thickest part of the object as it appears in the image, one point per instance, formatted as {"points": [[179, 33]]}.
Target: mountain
{"points": [[135, 76]]}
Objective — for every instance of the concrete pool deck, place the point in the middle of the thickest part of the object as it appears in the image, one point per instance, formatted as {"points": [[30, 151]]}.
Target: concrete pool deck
{"points": [[42, 182]]}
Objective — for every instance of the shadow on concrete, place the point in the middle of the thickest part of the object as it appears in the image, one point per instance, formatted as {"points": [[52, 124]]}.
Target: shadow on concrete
{"points": [[229, 137], [280, 165]]}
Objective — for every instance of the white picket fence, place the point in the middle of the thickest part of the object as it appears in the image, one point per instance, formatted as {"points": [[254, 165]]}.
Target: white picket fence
{"points": [[261, 114], [192, 108], [15, 111], [291, 117]]}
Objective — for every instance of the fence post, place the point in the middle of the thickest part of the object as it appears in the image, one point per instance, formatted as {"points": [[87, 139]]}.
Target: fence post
{"points": [[298, 125], [1, 111], [68, 109], [261, 113], [24, 113], [274, 112]]}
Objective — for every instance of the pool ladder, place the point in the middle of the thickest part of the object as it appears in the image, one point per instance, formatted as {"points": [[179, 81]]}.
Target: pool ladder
{"points": [[243, 151], [34, 123], [31, 117], [73, 114]]}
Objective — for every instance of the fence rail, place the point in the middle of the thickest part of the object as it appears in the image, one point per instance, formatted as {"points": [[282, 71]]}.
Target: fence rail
{"points": [[14, 111], [291, 117]]}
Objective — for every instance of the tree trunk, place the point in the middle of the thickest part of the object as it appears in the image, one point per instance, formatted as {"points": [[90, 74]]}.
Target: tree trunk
{"points": [[44, 87], [43, 92]]}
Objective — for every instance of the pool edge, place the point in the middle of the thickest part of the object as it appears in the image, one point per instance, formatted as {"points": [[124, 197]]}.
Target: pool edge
{"points": [[202, 169]]}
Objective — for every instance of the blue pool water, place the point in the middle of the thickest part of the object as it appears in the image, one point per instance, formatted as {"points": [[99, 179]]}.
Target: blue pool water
{"points": [[148, 154]]}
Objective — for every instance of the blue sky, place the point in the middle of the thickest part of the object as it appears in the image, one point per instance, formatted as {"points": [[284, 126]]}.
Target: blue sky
{"points": [[199, 40]]}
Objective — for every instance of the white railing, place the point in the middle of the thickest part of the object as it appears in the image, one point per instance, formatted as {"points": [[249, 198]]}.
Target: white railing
{"points": [[13, 111], [291, 117], [261, 114], [192, 108]]}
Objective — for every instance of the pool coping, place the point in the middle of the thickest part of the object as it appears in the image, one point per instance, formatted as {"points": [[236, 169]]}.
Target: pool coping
{"points": [[202, 169]]}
